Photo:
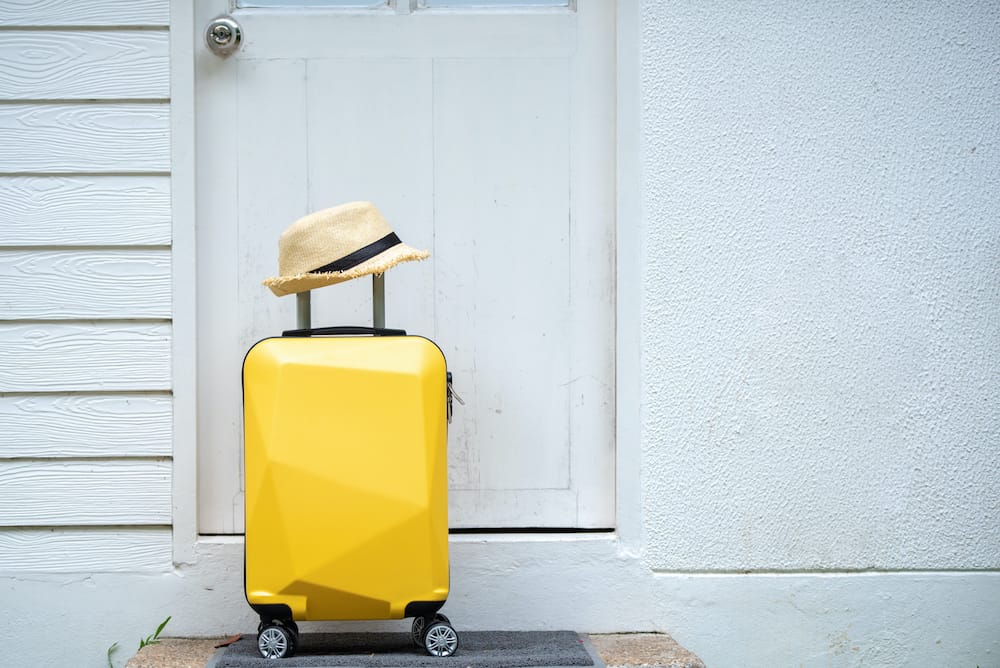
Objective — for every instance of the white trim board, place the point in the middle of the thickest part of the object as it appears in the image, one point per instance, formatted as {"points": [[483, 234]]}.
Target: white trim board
{"points": [[184, 361]]}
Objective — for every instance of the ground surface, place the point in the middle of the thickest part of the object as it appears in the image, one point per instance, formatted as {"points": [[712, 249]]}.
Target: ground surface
{"points": [[620, 650]]}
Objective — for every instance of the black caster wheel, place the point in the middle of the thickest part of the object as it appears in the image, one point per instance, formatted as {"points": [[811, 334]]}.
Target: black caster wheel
{"points": [[287, 623], [276, 641], [440, 639], [417, 630]]}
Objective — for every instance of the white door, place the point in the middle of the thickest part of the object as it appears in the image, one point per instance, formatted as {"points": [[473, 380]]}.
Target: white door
{"points": [[485, 135]]}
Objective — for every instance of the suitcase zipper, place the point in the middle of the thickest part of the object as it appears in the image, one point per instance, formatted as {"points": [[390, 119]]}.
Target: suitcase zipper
{"points": [[452, 394]]}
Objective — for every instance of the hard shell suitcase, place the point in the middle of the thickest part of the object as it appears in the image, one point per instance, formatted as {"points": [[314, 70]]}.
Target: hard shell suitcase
{"points": [[345, 433]]}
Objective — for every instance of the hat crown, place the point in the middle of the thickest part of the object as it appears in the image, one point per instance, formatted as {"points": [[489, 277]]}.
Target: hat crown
{"points": [[328, 235]]}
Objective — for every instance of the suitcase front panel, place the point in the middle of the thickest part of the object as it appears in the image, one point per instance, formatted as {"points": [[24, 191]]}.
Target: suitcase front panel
{"points": [[346, 475]]}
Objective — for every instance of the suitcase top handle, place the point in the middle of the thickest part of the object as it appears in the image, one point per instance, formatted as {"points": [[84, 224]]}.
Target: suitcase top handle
{"points": [[344, 330]]}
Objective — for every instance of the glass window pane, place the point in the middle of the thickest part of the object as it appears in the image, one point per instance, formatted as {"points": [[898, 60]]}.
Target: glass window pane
{"points": [[494, 3], [348, 4]]}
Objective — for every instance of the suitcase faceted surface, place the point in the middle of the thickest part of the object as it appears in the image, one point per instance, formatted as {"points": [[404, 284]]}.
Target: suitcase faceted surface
{"points": [[346, 476]]}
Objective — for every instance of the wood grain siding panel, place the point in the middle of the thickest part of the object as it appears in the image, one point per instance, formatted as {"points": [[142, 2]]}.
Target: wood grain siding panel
{"points": [[126, 137], [84, 210], [56, 357], [89, 13], [91, 550], [62, 65], [66, 285], [86, 420], [48, 426], [105, 493]]}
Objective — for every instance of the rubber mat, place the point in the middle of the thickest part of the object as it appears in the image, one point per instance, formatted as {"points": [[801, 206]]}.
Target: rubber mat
{"points": [[477, 649]]}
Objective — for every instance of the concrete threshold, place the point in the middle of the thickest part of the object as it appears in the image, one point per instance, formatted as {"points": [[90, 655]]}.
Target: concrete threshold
{"points": [[650, 650], [616, 650]]}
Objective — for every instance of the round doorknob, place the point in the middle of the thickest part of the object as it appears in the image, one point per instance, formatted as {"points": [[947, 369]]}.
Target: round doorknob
{"points": [[223, 35]]}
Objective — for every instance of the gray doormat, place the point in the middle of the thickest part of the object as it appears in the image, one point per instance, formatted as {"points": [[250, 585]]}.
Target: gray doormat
{"points": [[477, 649]]}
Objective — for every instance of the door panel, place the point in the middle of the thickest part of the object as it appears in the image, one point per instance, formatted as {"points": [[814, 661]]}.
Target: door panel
{"points": [[485, 137], [503, 219], [369, 139]]}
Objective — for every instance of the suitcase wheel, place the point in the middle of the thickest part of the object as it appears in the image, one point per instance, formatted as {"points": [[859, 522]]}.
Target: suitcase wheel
{"points": [[440, 639], [275, 641], [417, 631], [287, 623]]}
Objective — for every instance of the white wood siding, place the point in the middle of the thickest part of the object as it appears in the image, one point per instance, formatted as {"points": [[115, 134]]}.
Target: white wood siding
{"points": [[89, 13], [85, 425], [85, 286], [55, 357], [109, 64], [99, 137], [85, 210], [98, 492], [92, 550], [68, 284]]}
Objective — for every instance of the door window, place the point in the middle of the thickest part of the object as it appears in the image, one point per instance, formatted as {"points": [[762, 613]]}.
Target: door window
{"points": [[494, 3], [342, 4], [380, 4]]}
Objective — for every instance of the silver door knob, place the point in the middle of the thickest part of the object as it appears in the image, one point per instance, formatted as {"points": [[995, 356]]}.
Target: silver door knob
{"points": [[223, 35]]}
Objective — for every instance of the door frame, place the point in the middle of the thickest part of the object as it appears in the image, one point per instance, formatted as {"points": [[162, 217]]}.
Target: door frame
{"points": [[185, 39]]}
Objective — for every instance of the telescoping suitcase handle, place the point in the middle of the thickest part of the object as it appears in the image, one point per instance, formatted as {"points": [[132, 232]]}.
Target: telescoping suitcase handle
{"points": [[303, 309], [344, 330]]}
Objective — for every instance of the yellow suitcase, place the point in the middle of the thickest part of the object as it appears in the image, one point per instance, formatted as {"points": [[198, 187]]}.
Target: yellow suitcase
{"points": [[346, 478]]}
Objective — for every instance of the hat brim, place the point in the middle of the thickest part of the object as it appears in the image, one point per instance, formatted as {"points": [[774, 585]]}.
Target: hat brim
{"points": [[288, 285]]}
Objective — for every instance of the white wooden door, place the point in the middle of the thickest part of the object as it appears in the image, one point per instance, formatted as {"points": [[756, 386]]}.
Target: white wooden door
{"points": [[485, 135]]}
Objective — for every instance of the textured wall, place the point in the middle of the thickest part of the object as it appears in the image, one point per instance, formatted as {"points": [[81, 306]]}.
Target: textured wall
{"points": [[821, 337]]}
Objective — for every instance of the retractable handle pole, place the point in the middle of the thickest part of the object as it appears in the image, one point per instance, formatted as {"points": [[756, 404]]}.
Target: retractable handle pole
{"points": [[303, 305], [303, 310], [378, 301]]}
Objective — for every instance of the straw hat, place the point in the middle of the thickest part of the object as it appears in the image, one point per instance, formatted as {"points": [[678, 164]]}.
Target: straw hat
{"points": [[336, 245]]}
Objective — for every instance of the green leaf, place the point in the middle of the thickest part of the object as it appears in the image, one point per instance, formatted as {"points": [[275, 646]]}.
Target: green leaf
{"points": [[111, 650], [155, 637], [159, 628]]}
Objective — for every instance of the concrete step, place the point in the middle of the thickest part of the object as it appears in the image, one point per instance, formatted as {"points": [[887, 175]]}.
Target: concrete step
{"points": [[618, 650], [176, 653], [650, 650]]}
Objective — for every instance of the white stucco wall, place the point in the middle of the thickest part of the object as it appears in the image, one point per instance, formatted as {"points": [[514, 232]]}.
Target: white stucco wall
{"points": [[821, 317]]}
